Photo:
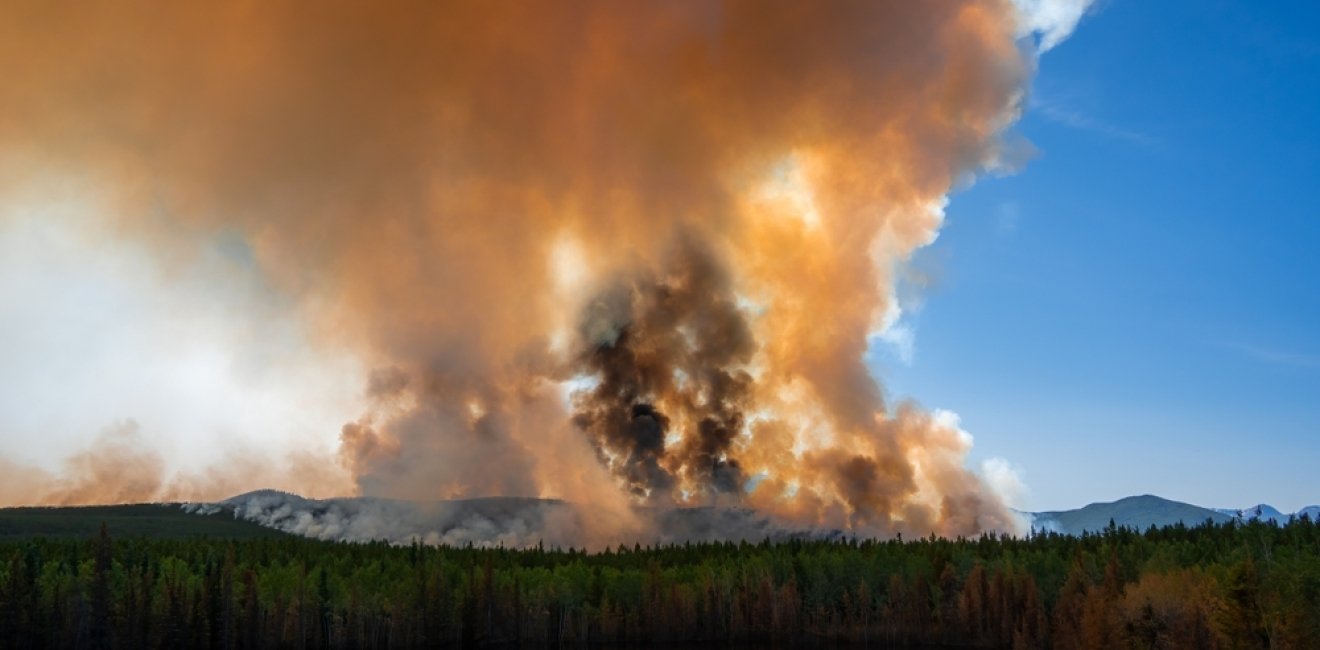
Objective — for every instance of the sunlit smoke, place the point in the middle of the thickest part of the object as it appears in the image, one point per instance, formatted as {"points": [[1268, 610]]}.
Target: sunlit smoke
{"points": [[610, 253]]}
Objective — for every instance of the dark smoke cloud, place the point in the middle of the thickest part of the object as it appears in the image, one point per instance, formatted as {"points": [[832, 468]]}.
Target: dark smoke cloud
{"points": [[676, 342]]}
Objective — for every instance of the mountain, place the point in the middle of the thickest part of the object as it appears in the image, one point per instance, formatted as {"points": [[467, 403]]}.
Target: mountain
{"points": [[520, 522], [1140, 512], [507, 521], [1263, 512], [511, 521], [1266, 512]]}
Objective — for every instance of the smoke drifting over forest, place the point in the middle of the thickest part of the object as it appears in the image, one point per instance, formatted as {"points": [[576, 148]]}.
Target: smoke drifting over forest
{"points": [[615, 254]]}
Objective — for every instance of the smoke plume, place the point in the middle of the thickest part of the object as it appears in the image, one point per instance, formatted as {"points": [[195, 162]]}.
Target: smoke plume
{"points": [[606, 252], [676, 342]]}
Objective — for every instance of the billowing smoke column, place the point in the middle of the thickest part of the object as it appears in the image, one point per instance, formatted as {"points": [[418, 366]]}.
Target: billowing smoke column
{"points": [[677, 342], [607, 252]]}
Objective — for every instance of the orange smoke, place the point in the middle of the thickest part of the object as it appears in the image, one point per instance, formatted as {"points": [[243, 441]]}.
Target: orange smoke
{"points": [[118, 467], [482, 198]]}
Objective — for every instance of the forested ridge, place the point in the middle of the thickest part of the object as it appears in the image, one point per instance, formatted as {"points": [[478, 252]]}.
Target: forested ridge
{"points": [[1232, 585], [157, 520]]}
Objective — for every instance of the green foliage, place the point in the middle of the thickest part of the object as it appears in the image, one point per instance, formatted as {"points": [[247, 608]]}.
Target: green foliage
{"points": [[1229, 586]]}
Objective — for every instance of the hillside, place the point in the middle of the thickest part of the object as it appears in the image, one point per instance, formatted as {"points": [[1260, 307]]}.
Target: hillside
{"points": [[1140, 512], [508, 521], [157, 521], [520, 522]]}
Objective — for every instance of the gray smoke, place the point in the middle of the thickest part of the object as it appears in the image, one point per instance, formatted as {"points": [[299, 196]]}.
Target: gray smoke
{"points": [[510, 522], [673, 344]]}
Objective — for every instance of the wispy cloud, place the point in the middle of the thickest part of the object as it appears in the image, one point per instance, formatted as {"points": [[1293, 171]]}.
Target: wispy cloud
{"points": [[1276, 356], [1007, 216], [901, 340], [1069, 117]]}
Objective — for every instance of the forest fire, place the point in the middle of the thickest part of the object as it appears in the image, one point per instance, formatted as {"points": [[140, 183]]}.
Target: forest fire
{"points": [[608, 253], [578, 323]]}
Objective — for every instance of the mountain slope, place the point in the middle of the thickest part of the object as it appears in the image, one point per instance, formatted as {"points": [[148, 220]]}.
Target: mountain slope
{"points": [[508, 521], [1138, 512], [1263, 512], [519, 522]]}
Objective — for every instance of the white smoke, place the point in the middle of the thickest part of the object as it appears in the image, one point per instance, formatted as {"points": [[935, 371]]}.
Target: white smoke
{"points": [[510, 522], [198, 353], [1052, 21], [1004, 480]]}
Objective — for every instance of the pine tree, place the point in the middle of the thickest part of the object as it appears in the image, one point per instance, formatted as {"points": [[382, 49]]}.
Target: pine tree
{"points": [[103, 552]]}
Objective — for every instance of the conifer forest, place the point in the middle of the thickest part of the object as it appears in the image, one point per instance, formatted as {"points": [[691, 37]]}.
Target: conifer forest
{"points": [[1254, 585]]}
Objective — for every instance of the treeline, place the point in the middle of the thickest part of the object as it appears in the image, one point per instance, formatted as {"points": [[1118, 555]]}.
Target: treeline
{"points": [[1213, 586]]}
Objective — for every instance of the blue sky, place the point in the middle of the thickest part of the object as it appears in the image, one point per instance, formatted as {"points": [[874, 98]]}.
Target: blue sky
{"points": [[1134, 311], [1138, 309]]}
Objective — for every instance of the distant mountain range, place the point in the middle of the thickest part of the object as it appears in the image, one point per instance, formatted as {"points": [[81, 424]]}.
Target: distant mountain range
{"points": [[508, 521], [519, 522], [1142, 512], [1269, 513]]}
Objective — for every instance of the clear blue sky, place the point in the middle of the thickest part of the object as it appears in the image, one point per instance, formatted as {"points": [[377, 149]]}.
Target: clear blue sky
{"points": [[1138, 309]]}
